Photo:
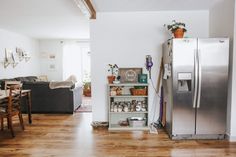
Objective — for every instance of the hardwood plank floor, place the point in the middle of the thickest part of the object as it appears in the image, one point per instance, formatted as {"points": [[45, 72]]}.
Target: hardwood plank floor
{"points": [[72, 136]]}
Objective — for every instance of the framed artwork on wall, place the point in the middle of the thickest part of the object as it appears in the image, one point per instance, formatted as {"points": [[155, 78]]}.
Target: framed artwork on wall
{"points": [[15, 57], [8, 55], [20, 53], [52, 67], [52, 56]]}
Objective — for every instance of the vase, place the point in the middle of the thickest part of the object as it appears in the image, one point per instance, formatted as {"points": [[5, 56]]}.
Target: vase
{"points": [[110, 79], [179, 33]]}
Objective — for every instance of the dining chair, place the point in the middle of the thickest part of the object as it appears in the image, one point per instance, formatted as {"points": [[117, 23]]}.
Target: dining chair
{"points": [[8, 84], [10, 107]]}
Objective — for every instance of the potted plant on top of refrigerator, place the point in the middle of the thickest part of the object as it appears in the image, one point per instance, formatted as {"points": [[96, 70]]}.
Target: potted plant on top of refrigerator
{"points": [[177, 29]]}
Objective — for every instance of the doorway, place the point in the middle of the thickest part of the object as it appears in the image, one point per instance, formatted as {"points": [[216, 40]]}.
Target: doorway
{"points": [[77, 62]]}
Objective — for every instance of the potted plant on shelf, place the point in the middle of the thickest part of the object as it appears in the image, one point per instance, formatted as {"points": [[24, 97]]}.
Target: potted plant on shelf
{"points": [[87, 84], [113, 70], [177, 28], [87, 89]]}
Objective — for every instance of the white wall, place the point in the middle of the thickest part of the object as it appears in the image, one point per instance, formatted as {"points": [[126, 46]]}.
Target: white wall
{"points": [[221, 24], [11, 40], [56, 48], [125, 38]]}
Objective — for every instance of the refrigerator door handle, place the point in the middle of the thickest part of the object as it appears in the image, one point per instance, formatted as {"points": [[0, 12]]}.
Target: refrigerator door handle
{"points": [[195, 78], [199, 78]]}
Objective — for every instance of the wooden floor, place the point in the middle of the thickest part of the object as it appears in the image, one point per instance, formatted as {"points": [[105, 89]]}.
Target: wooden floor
{"points": [[72, 136]]}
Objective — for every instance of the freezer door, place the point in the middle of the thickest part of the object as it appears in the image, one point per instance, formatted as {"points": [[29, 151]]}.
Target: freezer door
{"points": [[183, 115], [213, 81]]}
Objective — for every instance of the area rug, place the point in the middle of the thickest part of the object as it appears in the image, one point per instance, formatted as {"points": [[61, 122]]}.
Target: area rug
{"points": [[86, 105], [84, 108]]}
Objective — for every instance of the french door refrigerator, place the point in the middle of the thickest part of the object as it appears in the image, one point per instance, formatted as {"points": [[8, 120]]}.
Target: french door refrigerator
{"points": [[195, 86]]}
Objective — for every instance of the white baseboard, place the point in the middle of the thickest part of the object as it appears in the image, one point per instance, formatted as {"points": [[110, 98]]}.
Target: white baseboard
{"points": [[231, 138]]}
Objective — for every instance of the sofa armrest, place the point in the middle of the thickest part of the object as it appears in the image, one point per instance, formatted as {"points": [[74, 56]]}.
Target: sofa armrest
{"points": [[77, 96]]}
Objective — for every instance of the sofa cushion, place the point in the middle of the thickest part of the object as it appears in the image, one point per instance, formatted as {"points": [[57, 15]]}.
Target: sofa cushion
{"points": [[26, 79], [31, 78], [22, 79]]}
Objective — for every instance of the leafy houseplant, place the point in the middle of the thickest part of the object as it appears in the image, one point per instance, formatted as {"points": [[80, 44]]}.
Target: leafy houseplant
{"points": [[113, 69], [177, 28]]}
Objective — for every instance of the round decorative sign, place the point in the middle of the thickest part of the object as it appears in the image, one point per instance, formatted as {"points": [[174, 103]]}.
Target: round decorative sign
{"points": [[130, 75]]}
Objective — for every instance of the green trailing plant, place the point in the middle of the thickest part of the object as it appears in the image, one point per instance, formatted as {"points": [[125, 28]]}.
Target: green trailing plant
{"points": [[176, 25]]}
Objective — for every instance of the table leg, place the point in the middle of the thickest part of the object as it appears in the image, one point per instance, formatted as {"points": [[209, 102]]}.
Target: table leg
{"points": [[29, 106]]}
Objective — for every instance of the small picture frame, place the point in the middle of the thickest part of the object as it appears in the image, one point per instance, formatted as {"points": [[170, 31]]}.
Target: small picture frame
{"points": [[129, 75], [15, 57], [52, 56], [20, 53], [8, 55], [52, 67]]}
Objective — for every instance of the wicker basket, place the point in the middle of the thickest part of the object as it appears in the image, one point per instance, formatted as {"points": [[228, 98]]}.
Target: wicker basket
{"points": [[138, 91]]}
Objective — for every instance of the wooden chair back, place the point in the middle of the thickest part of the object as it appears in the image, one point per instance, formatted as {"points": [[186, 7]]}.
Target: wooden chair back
{"points": [[8, 84], [14, 99]]}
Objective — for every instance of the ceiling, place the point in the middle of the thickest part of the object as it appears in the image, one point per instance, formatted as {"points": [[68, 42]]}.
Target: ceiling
{"points": [[152, 5], [62, 19]]}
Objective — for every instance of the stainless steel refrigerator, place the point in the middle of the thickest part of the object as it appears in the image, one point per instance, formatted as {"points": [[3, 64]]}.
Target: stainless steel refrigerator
{"points": [[195, 86]]}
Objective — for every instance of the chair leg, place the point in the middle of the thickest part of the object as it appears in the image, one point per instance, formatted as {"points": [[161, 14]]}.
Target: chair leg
{"points": [[10, 125], [2, 124], [21, 121]]}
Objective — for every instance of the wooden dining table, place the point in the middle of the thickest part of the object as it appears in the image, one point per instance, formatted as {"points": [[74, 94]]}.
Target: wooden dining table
{"points": [[24, 93]]}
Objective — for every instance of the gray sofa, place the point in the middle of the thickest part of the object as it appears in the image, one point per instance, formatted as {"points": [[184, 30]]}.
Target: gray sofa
{"points": [[46, 100]]}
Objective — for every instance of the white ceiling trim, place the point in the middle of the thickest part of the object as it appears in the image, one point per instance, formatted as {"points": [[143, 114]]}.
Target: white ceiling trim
{"points": [[152, 5]]}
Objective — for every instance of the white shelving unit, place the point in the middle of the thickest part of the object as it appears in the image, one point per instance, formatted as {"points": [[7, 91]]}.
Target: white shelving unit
{"points": [[125, 97]]}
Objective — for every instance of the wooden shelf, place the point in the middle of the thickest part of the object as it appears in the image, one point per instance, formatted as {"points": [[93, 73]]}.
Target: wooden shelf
{"points": [[115, 117]]}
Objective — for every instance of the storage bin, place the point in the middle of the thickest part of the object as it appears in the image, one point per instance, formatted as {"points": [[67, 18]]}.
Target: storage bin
{"points": [[137, 121]]}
